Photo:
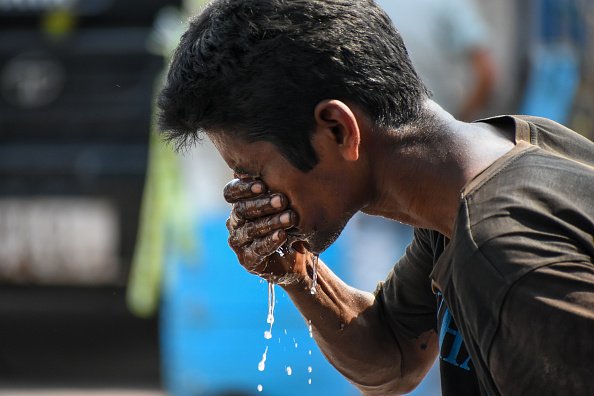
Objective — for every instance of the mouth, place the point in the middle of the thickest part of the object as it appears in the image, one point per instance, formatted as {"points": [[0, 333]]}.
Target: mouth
{"points": [[297, 240], [300, 246]]}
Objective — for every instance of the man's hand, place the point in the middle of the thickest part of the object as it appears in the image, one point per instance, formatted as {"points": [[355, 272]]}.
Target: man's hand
{"points": [[257, 229]]}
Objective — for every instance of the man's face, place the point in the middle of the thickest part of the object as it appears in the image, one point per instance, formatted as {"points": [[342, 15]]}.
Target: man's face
{"points": [[322, 197]]}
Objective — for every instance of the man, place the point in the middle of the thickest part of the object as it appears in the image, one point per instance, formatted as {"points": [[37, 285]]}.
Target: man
{"points": [[315, 106]]}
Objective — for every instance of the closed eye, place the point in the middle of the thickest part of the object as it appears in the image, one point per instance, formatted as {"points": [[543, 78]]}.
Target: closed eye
{"points": [[240, 173]]}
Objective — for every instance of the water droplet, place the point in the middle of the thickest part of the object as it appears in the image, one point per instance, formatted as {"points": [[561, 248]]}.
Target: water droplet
{"points": [[260, 388], [271, 303], [262, 363], [289, 370], [309, 352], [310, 329], [309, 369], [314, 282], [309, 381]]}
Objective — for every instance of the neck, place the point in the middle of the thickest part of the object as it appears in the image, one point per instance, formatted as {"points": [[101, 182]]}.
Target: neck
{"points": [[419, 181]]}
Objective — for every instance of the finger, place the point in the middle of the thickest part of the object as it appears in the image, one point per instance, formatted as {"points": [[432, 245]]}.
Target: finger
{"points": [[264, 247], [238, 189], [229, 224], [261, 227], [234, 221], [261, 206]]}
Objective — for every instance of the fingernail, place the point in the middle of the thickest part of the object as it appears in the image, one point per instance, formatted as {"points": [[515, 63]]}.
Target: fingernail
{"points": [[257, 188], [275, 236], [285, 218], [276, 201]]}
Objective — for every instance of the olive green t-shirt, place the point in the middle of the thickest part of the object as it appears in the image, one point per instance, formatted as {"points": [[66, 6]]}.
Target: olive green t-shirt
{"points": [[511, 295]]}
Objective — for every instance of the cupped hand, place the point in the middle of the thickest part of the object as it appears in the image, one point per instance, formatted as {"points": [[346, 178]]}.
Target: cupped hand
{"points": [[258, 226]]}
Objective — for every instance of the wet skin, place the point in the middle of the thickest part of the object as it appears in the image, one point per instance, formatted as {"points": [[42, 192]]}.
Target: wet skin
{"points": [[275, 204], [258, 226], [262, 221]]}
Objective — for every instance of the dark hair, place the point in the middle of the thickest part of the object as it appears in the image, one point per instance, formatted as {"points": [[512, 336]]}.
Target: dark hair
{"points": [[257, 69]]}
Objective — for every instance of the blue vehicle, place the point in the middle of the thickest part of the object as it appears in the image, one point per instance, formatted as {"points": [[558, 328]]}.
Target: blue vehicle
{"points": [[213, 319]]}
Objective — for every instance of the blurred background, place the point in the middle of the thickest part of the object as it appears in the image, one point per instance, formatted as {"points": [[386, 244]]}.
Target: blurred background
{"points": [[115, 275]]}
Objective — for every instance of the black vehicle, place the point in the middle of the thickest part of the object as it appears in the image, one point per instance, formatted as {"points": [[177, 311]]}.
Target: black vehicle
{"points": [[76, 88]]}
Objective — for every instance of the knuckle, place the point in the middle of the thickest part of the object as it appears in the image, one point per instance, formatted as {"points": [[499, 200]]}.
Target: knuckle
{"points": [[237, 239], [258, 206], [266, 245], [239, 209], [260, 248], [232, 240], [242, 236], [238, 189], [229, 189], [263, 227], [249, 228], [246, 209], [252, 259], [270, 224]]}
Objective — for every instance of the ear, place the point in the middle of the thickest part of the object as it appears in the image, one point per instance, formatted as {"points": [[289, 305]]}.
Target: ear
{"points": [[337, 121]]}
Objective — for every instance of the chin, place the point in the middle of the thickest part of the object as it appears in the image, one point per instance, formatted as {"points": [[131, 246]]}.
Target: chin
{"points": [[319, 244], [322, 239]]}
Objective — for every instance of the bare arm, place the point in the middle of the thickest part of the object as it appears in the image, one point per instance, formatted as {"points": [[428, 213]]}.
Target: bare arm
{"points": [[348, 324], [351, 332]]}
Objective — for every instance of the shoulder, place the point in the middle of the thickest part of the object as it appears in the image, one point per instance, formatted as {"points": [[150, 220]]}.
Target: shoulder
{"points": [[559, 139], [535, 179], [536, 211], [541, 122]]}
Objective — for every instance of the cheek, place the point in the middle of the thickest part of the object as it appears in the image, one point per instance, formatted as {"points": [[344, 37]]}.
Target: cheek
{"points": [[318, 202], [308, 207], [317, 218], [290, 187], [317, 211]]}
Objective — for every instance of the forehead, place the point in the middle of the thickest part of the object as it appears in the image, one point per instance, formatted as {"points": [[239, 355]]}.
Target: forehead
{"points": [[241, 155]]}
